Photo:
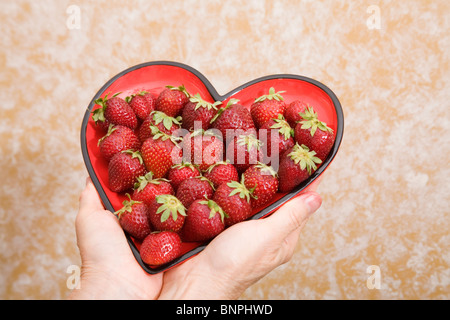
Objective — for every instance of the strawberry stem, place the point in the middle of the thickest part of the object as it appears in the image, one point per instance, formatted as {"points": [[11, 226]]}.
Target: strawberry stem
{"points": [[311, 121], [271, 96], [170, 205], [304, 158]]}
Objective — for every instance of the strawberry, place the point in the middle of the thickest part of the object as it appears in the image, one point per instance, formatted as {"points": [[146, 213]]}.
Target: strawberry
{"points": [[204, 221], [314, 134], [133, 217], [267, 107], [118, 138], [123, 170], [293, 110], [162, 121], [277, 137], [159, 248], [115, 110], [203, 148], [296, 165], [231, 118], [166, 213], [262, 180], [172, 100], [146, 188], [221, 172], [160, 153], [194, 188], [234, 199], [198, 110], [244, 151], [142, 104], [180, 172]]}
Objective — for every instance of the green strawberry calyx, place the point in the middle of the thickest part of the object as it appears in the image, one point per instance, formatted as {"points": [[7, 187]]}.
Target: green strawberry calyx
{"points": [[311, 121], [202, 178], [170, 206], [283, 127], [143, 181], [265, 169], [221, 110], [184, 164], [158, 134], [200, 103], [250, 141], [304, 158], [141, 93], [240, 189], [168, 122], [99, 114], [215, 208], [127, 207], [271, 96], [111, 129], [211, 167], [181, 88], [134, 155]]}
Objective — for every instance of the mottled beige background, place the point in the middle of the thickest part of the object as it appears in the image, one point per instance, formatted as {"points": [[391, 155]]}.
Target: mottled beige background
{"points": [[386, 195]]}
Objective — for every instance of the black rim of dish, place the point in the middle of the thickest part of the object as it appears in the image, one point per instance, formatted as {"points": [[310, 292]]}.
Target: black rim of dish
{"points": [[217, 97]]}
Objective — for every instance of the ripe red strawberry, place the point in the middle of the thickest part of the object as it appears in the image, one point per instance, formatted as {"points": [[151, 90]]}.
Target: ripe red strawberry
{"points": [[172, 100], [221, 172], [200, 111], [118, 138], [278, 135], [162, 121], [262, 180], [166, 213], [293, 110], [194, 188], [160, 153], [267, 107], [296, 165], [146, 188], [142, 104], [115, 110], [244, 151], [234, 199], [159, 248], [180, 172], [231, 118], [133, 217], [204, 221], [123, 170], [203, 148], [314, 134]]}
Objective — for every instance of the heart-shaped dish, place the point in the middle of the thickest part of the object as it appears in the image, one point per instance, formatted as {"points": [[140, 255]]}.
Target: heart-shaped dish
{"points": [[154, 76]]}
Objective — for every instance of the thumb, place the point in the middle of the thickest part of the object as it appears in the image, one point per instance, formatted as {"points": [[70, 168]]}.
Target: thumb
{"points": [[89, 198], [294, 214]]}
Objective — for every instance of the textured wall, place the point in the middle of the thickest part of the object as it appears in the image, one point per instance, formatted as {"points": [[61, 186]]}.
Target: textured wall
{"points": [[386, 195]]}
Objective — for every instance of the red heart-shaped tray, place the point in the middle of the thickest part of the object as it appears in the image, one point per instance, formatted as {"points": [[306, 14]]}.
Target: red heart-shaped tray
{"points": [[154, 76]]}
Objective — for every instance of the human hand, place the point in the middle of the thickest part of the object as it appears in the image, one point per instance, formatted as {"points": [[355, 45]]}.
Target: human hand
{"points": [[233, 261], [109, 269], [242, 254]]}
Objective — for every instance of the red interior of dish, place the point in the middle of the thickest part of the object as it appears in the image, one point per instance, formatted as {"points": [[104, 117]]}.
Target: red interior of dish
{"points": [[154, 78]]}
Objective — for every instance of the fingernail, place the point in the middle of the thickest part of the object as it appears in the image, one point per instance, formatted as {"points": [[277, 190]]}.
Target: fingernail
{"points": [[312, 201]]}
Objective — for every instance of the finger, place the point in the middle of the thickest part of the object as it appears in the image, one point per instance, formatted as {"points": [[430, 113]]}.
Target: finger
{"points": [[294, 214], [89, 198]]}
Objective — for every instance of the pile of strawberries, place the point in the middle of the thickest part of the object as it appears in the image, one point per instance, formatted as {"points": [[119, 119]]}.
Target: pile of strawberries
{"points": [[191, 168]]}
